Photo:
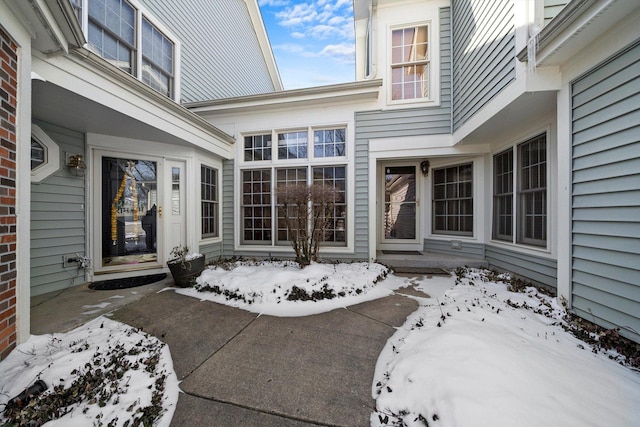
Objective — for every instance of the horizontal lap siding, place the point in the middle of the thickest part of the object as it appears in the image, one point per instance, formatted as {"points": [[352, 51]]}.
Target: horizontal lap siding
{"points": [[606, 193], [552, 8], [483, 54], [221, 56], [467, 249], [228, 215], [537, 269], [211, 252], [57, 219]]}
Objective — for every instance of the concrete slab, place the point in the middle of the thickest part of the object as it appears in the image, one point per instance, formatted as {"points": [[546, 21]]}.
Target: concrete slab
{"points": [[62, 311], [194, 411], [193, 329], [392, 310], [316, 368]]}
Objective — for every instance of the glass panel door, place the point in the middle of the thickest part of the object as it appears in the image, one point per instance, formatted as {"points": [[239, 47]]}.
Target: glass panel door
{"points": [[400, 204], [129, 212]]}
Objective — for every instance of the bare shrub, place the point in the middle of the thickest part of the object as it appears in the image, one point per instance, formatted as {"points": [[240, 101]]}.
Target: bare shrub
{"points": [[306, 211]]}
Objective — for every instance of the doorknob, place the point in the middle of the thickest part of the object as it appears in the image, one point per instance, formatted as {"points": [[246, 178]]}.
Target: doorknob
{"points": [[160, 212]]}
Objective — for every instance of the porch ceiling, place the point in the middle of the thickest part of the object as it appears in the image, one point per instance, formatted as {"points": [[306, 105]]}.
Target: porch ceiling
{"points": [[61, 107], [529, 110]]}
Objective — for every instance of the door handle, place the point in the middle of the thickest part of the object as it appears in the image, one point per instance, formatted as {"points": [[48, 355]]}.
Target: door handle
{"points": [[160, 212]]}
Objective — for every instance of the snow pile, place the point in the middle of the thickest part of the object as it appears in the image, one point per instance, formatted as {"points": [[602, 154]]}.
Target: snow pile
{"points": [[484, 356], [282, 288], [102, 373]]}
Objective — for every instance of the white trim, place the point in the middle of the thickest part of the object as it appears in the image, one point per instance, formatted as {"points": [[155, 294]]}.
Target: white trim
{"points": [[52, 155], [563, 220], [265, 45], [21, 35]]}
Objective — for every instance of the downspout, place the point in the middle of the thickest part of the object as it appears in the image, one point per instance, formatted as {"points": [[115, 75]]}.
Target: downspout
{"points": [[371, 56]]}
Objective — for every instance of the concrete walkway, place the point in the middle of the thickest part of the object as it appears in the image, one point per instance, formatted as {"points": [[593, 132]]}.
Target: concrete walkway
{"points": [[238, 368]]}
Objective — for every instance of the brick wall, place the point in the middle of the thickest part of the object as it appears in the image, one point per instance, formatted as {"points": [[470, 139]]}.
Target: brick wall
{"points": [[8, 103]]}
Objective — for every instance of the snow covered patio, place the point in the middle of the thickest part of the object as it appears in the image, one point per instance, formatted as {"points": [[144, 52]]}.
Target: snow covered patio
{"points": [[472, 354]]}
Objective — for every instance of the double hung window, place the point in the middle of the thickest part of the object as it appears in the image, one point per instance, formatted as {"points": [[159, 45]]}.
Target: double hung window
{"points": [[209, 201], [529, 200], [410, 63], [123, 35], [453, 200]]}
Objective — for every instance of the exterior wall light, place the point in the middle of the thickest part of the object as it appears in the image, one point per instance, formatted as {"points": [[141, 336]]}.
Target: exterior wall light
{"points": [[424, 167], [76, 165]]}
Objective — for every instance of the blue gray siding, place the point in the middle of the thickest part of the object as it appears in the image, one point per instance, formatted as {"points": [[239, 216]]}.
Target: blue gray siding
{"points": [[414, 121], [483, 54], [467, 249], [552, 8], [211, 251], [57, 219], [537, 269], [606, 193], [228, 215], [221, 56]]}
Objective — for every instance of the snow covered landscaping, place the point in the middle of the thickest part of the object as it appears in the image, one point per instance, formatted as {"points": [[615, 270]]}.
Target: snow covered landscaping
{"points": [[475, 353]]}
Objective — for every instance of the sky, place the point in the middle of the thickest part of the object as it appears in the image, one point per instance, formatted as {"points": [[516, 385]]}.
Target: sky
{"points": [[472, 354], [312, 40]]}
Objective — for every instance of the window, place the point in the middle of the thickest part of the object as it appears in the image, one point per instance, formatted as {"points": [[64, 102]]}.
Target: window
{"points": [[112, 32], [530, 203], [503, 196], [209, 200], [292, 176], [118, 31], [410, 63], [257, 147], [157, 59], [292, 145], [257, 209], [329, 143], [334, 176], [45, 155], [532, 192], [256, 206], [453, 200]]}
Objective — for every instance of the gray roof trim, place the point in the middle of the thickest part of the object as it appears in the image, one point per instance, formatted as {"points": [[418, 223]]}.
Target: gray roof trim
{"points": [[355, 90], [63, 11], [568, 15], [163, 102]]}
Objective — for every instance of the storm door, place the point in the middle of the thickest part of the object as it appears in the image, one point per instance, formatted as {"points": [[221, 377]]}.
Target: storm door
{"points": [[399, 216], [129, 213]]}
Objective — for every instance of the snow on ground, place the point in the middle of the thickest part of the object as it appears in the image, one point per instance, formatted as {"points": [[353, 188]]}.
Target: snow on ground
{"points": [[473, 354], [477, 357], [277, 288], [126, 374]]}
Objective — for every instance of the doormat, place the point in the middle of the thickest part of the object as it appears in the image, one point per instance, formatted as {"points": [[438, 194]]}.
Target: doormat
{"points": [[126, 282], [402, 253]]}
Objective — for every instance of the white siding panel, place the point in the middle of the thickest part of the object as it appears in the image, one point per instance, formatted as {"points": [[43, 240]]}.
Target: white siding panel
{"points": [[606, 193]]}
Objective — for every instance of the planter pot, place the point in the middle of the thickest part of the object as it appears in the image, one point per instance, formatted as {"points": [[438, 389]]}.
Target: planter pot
{"points": [[185, 273]]}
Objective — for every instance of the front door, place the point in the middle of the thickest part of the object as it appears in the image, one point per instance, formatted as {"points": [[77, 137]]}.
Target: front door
{"points": [[399, 216], [129, 213]]}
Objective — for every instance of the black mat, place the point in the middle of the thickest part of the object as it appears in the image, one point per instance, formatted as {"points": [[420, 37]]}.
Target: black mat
{"points": [[126, 282], [401, 253]]}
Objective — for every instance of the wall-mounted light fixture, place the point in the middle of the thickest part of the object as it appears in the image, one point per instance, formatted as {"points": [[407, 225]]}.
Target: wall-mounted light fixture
{"points": [[76, 165], [424, 167]]}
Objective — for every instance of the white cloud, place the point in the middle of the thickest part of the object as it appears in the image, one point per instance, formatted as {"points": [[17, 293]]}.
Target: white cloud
{"points": [[343, 53], [273, 3]]}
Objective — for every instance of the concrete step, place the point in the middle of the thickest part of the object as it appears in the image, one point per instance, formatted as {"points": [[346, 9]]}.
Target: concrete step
{"points": [[427, 262]]}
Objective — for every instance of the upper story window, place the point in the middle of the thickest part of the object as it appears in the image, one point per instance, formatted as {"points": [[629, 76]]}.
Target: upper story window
{"points": [[410, 63], [122, 33]]}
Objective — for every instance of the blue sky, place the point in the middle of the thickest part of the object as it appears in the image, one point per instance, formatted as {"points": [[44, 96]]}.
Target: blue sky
{"points": [[312, 40]]}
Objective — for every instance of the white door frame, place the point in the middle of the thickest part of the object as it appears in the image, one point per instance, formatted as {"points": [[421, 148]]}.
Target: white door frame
{"points": [[398, 244]]}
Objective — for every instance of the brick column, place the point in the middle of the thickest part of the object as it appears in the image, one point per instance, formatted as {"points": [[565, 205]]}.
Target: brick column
{"points": [[8, 104]]}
